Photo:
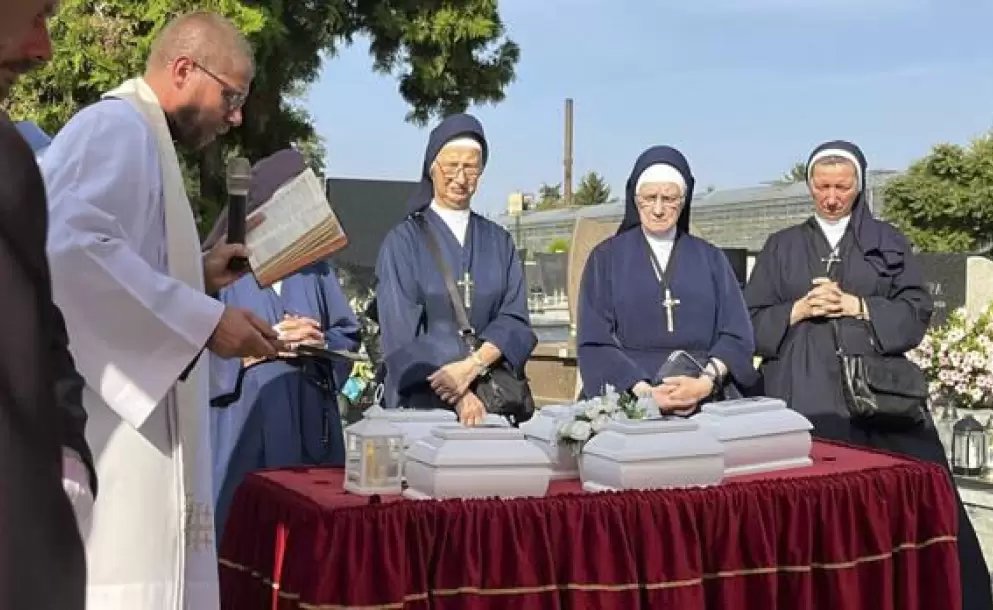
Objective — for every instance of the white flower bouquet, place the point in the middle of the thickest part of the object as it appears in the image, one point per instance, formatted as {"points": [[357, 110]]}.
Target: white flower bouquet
{"points": [[592, 416], [957, 360]]}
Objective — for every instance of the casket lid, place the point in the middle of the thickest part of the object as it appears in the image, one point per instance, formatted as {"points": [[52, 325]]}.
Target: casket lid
{"points": [[454, 445], [559, 411], [373, 428], [744, 406], [751, 418], [656, 439], [409, 415]]}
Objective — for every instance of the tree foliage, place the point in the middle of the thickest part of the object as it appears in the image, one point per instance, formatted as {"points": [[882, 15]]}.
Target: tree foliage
{"points": [[593, 190], [796, 173], [559, 245], [944, 203], [445, 56], [549, 196]]}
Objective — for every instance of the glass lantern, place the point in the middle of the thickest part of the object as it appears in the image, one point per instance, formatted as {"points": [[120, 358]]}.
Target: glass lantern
{"points": [[970, 446], [374, 454]]}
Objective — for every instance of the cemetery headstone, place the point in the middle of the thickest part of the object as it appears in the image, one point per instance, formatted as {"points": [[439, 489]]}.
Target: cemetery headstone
{"points": [[553, 272], [586, 235], [738, 257], [946, 279]]}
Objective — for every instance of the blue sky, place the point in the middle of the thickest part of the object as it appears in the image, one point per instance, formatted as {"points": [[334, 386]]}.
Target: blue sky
{"points": [[743, 87]]}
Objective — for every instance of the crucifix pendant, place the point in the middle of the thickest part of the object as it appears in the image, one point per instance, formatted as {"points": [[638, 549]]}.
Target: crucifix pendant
{"points": [[830, 261], [669, 303], [466, 286]]}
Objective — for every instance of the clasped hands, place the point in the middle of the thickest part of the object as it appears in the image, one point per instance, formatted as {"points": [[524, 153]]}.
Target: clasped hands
{"points": [[451, 383], [292, 332], [679, 395], [826, 300]]}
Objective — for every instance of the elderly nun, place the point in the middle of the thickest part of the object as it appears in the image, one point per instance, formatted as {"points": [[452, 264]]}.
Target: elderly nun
{"points": [[652, 290], [843, 279], [428, 365]]}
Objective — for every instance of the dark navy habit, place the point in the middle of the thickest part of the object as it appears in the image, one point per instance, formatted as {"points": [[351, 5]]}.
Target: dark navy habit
{"points": [[287, 414], [799, 363], [621, 333], [417, 322]]}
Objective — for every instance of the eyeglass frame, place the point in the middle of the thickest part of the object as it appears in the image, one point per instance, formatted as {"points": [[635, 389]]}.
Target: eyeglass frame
{"points": [[470, 173], [234, 98], [647, 203]]}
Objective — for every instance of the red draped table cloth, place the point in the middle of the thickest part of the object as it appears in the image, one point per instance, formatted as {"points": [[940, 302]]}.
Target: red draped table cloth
{"points": [[858, 530]]}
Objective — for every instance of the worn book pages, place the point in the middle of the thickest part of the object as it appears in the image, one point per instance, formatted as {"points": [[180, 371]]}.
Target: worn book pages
{"points": [[300, 228]]}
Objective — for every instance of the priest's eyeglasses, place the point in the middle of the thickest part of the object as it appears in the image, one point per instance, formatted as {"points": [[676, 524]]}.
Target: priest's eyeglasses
{"points": [[648, 201], [233, 97], [451, 170]]}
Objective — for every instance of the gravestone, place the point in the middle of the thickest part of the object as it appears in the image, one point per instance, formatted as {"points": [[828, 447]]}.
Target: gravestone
{"points": [[532, 275], [553, 266], [738, 257], [979, 286], [367, 210], [586, 235], [945, 276]]}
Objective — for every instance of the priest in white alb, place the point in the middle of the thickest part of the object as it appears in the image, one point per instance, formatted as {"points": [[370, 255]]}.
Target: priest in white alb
{"points": [[129, 277]]}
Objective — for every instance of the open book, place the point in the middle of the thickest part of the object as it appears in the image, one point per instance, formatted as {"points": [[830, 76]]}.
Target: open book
{"points": [[300, 228]]}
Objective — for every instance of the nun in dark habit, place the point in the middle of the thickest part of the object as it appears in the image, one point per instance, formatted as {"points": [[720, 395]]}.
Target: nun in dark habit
{"points": [[287, 411], [653, 289], [844, 265], [428, 365]]}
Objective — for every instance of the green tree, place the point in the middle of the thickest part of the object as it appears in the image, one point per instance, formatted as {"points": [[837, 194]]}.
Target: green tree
{"points": [[797, 173], [944, 203], [593, 190], [446, 57], [558, 246], [549, 196]]}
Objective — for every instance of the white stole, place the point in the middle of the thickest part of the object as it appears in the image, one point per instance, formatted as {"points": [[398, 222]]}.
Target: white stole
{"points": [[182, 255]]}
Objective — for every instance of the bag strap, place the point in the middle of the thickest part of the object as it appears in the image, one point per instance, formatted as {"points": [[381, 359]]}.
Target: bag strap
{"points": [[461, 318]]}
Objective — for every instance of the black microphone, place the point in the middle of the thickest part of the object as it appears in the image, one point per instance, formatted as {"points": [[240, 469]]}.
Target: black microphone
{"points": [[239, 178]]}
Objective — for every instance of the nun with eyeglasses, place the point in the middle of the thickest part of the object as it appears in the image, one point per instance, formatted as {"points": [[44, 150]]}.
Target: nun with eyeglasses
{"points": [[843, 288], [654, 291], [427, 360]]}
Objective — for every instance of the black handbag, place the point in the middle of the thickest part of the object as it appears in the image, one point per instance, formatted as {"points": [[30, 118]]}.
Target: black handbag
{"points": [[501, 389], [883, 392]]}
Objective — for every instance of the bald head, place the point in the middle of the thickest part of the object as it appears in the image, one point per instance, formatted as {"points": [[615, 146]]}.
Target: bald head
{"points": [[205, 38]]}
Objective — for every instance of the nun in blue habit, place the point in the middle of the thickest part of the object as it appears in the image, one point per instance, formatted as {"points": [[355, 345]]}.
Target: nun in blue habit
{"points": [[287, 411], [428, 365], [652, 289]]}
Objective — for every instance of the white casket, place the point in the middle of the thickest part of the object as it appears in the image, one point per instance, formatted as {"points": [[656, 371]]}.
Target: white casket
{"points": [[491, 460], [651, 454], [543, 431], [759, 434], [415, 423]]}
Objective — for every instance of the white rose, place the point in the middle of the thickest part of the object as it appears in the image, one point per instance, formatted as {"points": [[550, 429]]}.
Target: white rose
{"points": [[599, 423], [581, 431]]}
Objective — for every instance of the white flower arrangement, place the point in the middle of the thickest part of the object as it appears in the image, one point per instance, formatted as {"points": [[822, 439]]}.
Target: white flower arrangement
{"points": [[957, 360], [592, 416]]}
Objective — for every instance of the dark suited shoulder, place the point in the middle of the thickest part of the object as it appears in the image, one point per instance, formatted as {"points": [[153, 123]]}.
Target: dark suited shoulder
{"points": [[42, 565]]}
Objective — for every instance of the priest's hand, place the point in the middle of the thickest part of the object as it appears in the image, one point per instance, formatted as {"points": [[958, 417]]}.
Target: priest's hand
{"points": [[682, 394], [452, 381], [242, 334], [216, 274], [470, 410]]}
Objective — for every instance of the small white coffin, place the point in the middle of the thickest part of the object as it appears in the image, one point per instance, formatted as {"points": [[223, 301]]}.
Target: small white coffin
{"points": [[759, 434], [415, 423], [543, 431], [651, 454], [492, 460]]}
